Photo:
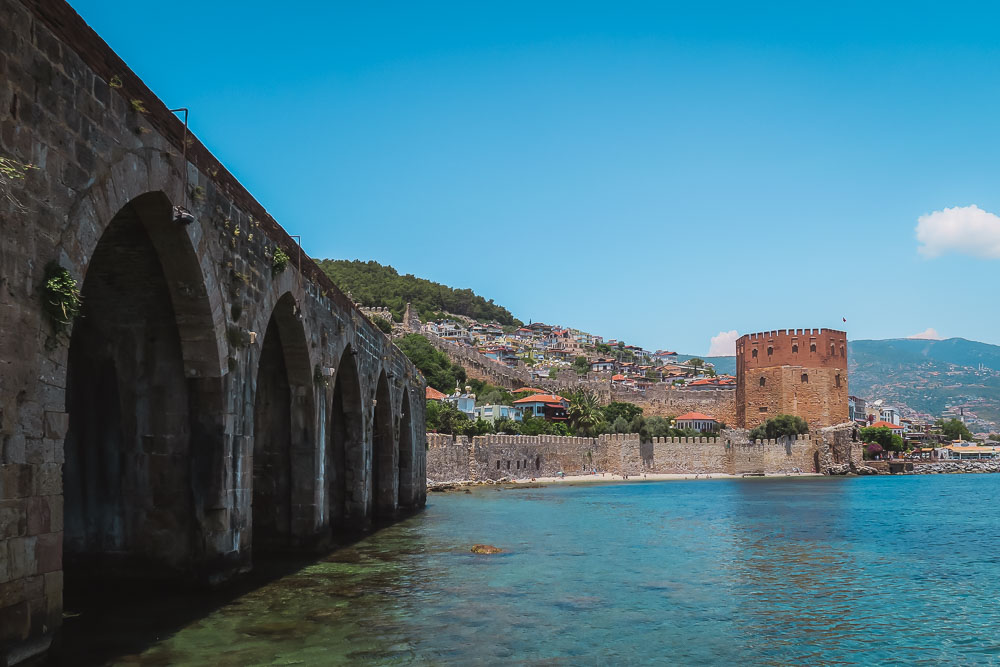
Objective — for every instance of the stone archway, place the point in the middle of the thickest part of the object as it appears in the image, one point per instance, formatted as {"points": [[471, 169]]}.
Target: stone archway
{"points": [[346, 466], [136, 450], [385, 473], [283, 455], [406, 498]]}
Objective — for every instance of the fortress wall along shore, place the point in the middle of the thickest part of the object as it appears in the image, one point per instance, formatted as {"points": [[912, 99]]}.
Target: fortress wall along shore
{"points": [[496, 457]]}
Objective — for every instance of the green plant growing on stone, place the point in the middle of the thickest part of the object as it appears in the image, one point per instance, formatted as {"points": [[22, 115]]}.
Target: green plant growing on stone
{"points": [[12, 171], [115, 82], [279, 262], [61, 299], [138, 106], [318, 379], [198, 193]]}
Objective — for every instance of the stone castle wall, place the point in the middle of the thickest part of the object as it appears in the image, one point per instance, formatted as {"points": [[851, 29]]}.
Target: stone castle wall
{"points": [[660, 400], [495, 457], [801, 372]]}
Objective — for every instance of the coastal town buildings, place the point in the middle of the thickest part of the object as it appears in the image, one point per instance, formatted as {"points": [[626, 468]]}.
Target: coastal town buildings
{"points": [[697, 421], [548, 406]]}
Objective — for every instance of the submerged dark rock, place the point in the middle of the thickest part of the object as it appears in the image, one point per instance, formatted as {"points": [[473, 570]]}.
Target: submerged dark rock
{"points": [[485, 549]]}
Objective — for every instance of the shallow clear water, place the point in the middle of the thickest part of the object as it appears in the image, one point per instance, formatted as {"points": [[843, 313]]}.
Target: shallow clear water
{"points": [[760, 571]]}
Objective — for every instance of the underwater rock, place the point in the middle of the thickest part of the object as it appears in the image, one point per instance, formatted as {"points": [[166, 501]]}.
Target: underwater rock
{"points": [[485, 549]]}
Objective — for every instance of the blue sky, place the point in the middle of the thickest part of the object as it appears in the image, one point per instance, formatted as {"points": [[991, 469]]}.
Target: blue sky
{"points": [[654, 172]]}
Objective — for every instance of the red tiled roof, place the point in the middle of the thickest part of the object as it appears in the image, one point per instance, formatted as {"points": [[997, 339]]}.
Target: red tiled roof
{"points": [[880, 424], [433, 394], [541, 398], [533, 390], [695, 416], [615, 378]]}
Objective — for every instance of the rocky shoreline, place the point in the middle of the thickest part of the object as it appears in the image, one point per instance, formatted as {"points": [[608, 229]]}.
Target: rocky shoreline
{"points": [[918, 468], [950, 467]]}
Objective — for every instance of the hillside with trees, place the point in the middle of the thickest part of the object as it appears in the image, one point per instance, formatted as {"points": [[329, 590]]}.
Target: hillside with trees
{"points": [[372, 284]]}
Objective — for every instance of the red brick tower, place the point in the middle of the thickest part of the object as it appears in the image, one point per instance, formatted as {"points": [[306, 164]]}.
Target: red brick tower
{"points": [[799, 372]]}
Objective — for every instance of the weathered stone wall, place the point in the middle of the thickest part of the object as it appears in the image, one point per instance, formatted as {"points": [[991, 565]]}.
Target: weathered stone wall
{"points": [[165, 397], [785, 455], [801, 372], [659, 400], [448, 458], [689, 455], [494, 457], [671, 402]]}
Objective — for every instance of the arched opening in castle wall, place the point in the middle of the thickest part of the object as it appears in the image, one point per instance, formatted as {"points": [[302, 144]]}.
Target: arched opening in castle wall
{"points": [[346, 478], [407, 487], [136, 451], [385, 473], [283, 459]]}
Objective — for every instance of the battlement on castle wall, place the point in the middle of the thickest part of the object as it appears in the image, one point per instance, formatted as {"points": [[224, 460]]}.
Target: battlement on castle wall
{"points": [[810, 348], [792, 332], [377, 311]]}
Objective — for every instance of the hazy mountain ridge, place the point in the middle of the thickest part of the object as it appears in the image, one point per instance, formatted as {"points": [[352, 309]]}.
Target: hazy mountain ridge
{"points": [[928, 375]]}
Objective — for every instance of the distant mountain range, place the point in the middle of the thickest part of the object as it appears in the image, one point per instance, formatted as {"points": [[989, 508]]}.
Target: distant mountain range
{"points": [[928, 375], [924, 375]]}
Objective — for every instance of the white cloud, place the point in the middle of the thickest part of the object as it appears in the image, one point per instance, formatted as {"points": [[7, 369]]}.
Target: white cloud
{"points": [[930, 333], [966, 230], [723, 345]]}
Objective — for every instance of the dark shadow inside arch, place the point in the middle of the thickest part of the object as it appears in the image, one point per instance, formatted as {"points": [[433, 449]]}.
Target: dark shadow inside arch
{"points": [[283, 458], [385, 474], [345, 466], [136, 451], [407, 497]]}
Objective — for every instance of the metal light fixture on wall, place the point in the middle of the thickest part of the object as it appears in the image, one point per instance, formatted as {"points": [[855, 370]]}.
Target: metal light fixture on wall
{"points": [[182, 216]]}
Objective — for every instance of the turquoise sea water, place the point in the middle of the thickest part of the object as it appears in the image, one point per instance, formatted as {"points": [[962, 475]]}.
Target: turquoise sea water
{"points": [[757, 571]]}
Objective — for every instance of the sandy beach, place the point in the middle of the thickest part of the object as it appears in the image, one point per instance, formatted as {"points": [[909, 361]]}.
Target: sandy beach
{"points": [[606, 478]]}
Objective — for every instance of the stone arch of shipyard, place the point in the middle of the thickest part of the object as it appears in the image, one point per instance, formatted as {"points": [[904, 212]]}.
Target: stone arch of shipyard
{"points": [[385, 453], [143, 429], [144, 465], [406, 498], [284, 470], [348, 454]]}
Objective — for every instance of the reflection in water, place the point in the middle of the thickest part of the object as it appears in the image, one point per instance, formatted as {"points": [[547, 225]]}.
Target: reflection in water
{"points": [[767, 571]]}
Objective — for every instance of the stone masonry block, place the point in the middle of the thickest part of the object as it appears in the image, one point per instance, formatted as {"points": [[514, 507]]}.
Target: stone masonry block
{"points": [[48, 552], [13, 449], [21, 551], [13, 518], [4, 568], [32, 422], [56, 425], [48, 479], [39, 516], [16, 480], [55, 513], [14, 622], [38, 451], [53, 583]]}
